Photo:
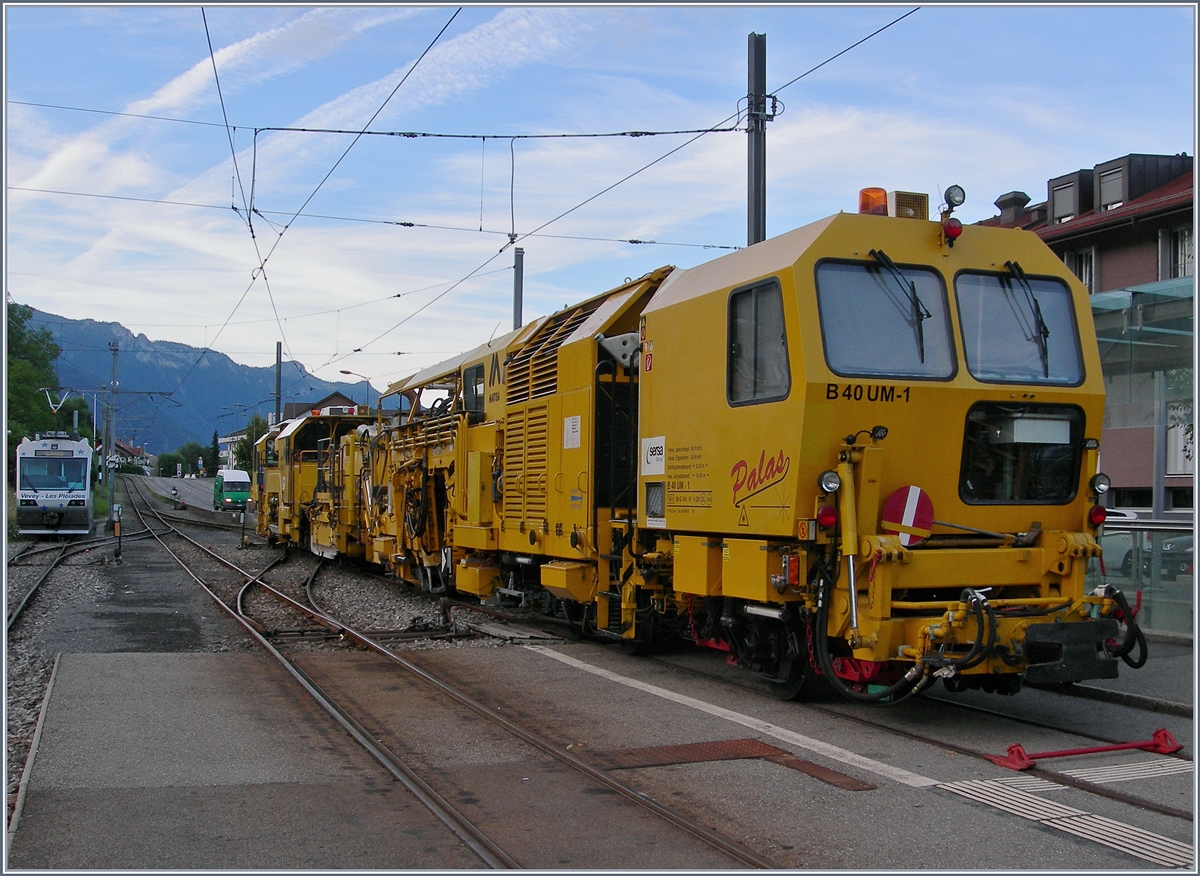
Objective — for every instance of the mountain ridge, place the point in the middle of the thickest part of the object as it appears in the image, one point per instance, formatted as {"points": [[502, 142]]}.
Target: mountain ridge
{"points": [[170, 393]]}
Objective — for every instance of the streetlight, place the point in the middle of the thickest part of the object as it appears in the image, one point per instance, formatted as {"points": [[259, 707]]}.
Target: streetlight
{"points": [[367, 381]]}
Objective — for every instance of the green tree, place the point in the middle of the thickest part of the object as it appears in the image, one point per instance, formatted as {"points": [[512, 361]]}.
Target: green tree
{"points": [[193, 457], [212, 460], [31, 355], [167, 463], [64, 420], [243, 451]]}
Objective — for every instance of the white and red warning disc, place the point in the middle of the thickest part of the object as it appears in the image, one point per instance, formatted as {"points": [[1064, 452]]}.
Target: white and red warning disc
{"points": [[908, 513]]}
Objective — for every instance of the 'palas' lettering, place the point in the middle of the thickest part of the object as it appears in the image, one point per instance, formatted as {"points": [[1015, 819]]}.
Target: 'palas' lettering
{"points": [[747, 481]]}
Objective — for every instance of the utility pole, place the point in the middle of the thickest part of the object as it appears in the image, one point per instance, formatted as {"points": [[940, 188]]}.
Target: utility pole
{"points": [[518, 284], [110, 444], [756, 130], [278, 376]]}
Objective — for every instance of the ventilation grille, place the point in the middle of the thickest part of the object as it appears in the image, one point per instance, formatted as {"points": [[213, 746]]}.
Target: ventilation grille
{"points": [[908, 205], [533, 373], [526, 454]]}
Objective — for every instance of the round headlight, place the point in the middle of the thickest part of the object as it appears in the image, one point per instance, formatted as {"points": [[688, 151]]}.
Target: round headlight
{"points": [[1100, 483], [829, 482], [955, 196]]}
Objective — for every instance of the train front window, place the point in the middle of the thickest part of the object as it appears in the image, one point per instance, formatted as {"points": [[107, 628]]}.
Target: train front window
{"points": [[1021, 454], [1018, 329], [882, 320], [53, 474]]}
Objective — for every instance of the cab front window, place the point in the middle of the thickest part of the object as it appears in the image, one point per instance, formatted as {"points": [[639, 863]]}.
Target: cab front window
{"points": [[879, 319], [1018, 329], [1021, 454]]}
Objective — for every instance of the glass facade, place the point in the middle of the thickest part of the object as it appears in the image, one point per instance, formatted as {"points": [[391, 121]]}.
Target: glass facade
{"points": [[1148, 447]]}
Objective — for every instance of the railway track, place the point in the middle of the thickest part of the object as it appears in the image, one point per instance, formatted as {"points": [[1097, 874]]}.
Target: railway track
{"points": [[321, 624], [874, 718], [22, 593]]}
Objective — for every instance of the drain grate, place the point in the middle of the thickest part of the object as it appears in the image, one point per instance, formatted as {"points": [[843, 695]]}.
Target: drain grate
{"points": [[726, 749]]}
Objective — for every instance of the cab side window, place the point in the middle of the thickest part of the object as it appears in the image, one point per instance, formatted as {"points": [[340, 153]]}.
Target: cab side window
{"points": [[473, 390], [757, 368]]}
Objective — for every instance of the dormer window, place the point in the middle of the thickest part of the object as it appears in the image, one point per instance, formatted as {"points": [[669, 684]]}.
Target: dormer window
{"points": [[1112, 189], [1063, 203]]}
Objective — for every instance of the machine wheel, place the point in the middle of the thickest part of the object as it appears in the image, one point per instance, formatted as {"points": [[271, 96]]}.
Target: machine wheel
{"points": [[798, 679]]}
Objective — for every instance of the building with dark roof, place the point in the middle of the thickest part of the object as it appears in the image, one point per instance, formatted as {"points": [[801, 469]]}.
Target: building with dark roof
{"points": [[1126, 229]]}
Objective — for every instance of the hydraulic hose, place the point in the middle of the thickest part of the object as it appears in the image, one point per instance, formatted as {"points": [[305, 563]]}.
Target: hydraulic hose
{"points": [[979, 652], [901, 690], [1133, 633]]}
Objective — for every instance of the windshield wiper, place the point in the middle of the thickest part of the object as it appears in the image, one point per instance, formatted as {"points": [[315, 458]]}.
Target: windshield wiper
{"points": [[920, 314], [1041, 331]]}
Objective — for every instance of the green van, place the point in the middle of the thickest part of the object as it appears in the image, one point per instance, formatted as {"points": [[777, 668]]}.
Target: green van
{"points": [[231, 490]]}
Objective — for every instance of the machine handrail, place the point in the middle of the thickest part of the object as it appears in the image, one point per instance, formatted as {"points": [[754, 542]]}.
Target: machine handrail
{"points": [[1122, 525]]}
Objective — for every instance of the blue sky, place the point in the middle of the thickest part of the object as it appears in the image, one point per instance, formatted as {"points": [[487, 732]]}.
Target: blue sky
{"points": [[993, 98]]}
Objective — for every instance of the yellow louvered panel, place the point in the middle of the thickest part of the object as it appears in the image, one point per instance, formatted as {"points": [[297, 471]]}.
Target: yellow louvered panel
{"points": [[536, 457], [517, 380], [514, 465], [533, 372]]}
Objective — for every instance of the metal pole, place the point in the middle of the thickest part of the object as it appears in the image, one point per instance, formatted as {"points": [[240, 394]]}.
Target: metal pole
{"points": [[1160, 444], [110, 444], [278, 376], [756, 130], [518, 284]]}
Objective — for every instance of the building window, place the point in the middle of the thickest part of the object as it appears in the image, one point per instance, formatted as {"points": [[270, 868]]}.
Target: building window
{"points": [[1136, 497], [1083, 266], [1182, 263], [1063, 203], [1112, 193]]}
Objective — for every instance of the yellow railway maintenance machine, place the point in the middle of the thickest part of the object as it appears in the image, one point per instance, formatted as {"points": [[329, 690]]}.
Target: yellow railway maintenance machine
{"points": [[868, 449], [862, 453], [288, 473]]}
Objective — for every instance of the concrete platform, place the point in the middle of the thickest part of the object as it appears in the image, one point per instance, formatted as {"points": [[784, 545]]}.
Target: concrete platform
{"points": [[209, 761]]}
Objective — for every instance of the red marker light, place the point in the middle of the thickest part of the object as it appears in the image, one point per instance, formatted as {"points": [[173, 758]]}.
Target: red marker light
{"points": [[1097, 515], [953, 228], [826, 516]]}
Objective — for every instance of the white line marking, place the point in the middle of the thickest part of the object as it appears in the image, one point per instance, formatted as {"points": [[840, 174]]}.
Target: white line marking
{"points": [[832, 752], [1127, 772]]}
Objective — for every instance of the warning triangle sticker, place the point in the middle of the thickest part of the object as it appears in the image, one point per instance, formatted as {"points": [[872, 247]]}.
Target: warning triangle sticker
{"points": [[743, 518]]}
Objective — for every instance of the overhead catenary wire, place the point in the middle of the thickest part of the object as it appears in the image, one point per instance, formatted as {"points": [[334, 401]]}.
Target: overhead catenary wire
{"points": [[714, 128], [363, 132], [404, 134], [262, 260], [249, 225], [539, 229], [400, 223]]}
